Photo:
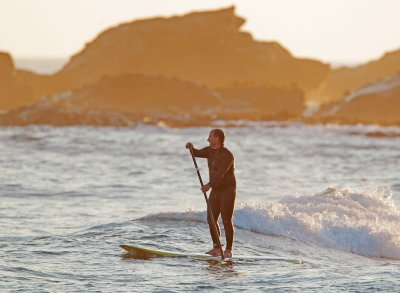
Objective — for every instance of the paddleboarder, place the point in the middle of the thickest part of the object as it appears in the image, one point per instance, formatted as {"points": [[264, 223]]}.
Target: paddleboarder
{"points": [[222, 182]]}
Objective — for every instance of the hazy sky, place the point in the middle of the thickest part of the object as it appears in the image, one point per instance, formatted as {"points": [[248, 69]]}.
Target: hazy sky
{"points": [[328, 30]]}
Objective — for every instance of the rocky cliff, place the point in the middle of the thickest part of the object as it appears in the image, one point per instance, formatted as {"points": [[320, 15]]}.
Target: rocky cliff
{"points": [[206, 47], [342, 81], [122, 100], [164, 65], [377, 103], [16, 86], [262, 102]]}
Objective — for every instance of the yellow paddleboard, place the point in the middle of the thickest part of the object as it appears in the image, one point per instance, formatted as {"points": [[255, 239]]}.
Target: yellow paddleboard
{"points": [[147, 253]]}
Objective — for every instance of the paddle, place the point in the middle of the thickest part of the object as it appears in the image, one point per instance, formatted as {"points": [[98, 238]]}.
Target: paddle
{"points": [[208, 205]]}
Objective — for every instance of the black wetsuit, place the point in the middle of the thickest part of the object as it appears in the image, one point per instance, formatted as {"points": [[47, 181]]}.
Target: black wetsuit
{"points": [[221, 165]]}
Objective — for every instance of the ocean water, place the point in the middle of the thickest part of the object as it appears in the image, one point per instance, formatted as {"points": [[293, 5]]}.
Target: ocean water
{"points": [[327, 195]]}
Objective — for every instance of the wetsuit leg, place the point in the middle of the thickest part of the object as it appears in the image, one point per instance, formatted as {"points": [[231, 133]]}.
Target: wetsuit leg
{"points": [[227, 204], [215, 207]]}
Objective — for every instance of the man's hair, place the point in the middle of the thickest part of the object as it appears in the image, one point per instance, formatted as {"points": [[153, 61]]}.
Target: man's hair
{"points": [[220, 134]]}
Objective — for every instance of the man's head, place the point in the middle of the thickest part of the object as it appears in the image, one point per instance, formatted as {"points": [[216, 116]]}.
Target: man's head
{"points": [[216, 138]]}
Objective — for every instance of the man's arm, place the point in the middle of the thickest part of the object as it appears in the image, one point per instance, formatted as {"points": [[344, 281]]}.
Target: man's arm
{"points": [[201, 153]]}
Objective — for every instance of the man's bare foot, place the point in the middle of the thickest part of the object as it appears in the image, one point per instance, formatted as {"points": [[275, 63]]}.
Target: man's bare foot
{"points": [[216, 251], [228, 253]]}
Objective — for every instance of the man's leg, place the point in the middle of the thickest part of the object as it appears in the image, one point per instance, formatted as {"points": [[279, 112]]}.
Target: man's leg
{"points": [[227, 202], [215, 207]]}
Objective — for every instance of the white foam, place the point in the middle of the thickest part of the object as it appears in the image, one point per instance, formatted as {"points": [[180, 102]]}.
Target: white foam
{"points": [[366, 224], [343, 219]]}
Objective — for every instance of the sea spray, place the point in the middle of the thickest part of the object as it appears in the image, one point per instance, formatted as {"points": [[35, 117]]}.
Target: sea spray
{"points": [[344, 219]]}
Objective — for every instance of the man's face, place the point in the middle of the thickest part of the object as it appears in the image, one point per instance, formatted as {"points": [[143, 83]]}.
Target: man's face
{"points": [[213, 140]]}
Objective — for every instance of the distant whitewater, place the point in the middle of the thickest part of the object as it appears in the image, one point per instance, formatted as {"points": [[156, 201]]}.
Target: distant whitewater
{"points": [[343, 219]]}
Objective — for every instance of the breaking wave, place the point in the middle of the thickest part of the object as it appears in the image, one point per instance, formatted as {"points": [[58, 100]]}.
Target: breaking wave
{"points": [[357, 222]]}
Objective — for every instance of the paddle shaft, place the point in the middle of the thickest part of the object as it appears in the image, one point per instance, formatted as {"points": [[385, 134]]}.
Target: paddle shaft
{"points": [[210, 213]]}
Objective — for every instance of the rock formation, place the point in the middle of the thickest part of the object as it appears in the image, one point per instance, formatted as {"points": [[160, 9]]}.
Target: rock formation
{"points": [[121, 100], [262, 102], [206, 47], [377, 103], [165, 65], [15, 85], [342, 81], [190, 69]]}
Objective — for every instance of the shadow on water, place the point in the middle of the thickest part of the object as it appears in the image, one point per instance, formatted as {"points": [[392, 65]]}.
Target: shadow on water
{"points": [[222, 270], [142, 255]]}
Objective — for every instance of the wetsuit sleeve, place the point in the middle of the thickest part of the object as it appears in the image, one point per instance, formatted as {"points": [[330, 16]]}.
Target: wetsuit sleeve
{"points": [[202, 153], [226, 163]]}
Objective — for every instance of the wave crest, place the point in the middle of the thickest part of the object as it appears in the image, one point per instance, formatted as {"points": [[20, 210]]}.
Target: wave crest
{"points": [[343, 219]]}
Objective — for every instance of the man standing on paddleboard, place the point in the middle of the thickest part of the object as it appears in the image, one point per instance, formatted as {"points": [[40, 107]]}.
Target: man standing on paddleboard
{"points": [[221, 166]]}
